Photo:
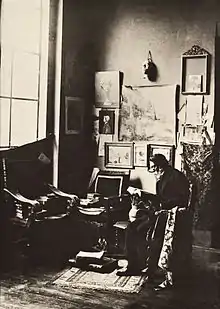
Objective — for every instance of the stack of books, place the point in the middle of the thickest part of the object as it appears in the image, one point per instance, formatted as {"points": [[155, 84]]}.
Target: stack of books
{"points": [[95, 261]]}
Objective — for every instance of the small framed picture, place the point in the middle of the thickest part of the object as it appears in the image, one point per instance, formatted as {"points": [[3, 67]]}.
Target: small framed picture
{"points": [[167, 150], [107, 89], [193, 134], [195, 83], [119, 155], [140, 154], [74, 115], [106, 121]]}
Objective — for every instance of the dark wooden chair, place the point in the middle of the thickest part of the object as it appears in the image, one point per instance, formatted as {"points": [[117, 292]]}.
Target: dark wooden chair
{"points": [[109, 204], [38, 225], [36, 220]]}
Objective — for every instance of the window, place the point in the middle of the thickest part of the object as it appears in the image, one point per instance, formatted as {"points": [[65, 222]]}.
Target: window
{"points": [[23, 71]]}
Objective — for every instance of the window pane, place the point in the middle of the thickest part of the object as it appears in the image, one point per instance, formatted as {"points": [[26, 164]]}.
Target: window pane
{"points": [[25, 76], [4, 121], [23, 122], [5, 72], [21, 24]]}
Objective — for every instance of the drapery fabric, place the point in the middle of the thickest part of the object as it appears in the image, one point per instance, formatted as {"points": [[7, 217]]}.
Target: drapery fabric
{"points": [[199, 166], [167, 247]]}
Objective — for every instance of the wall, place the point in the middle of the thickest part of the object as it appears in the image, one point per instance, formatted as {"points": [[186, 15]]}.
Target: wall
{"points": [[117, 36]]}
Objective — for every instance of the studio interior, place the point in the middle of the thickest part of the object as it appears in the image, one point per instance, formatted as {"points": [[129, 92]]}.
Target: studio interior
{"points": [[90, 92]]}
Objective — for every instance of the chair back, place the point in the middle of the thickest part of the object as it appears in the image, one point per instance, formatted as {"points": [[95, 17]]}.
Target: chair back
{"points": [[111, 183]]}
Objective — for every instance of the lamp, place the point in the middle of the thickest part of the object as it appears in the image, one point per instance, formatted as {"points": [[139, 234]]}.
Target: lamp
{"points": [[150, 68]]}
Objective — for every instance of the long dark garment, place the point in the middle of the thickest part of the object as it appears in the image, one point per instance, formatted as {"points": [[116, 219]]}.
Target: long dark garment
{"points": [[137, 235], [170, 237], [171, 245]]}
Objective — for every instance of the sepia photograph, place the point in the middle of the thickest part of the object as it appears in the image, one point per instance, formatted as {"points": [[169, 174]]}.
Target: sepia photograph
{"points": [[106, 122], [109, 154], [140, 154], [119, 155]]}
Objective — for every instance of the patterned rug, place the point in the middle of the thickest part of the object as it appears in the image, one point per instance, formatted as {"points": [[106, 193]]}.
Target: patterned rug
{"points": [[75, 277]]}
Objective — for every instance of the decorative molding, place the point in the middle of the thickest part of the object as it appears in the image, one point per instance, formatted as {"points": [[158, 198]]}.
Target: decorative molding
{"points": [[196, 50]]}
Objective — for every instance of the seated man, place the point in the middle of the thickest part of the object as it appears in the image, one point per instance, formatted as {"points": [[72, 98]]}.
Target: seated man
{"points": [[172, 189]]}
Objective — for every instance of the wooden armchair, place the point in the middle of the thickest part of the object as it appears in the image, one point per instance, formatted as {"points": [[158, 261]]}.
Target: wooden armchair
{"points": [[107, 202], [31, 219]]}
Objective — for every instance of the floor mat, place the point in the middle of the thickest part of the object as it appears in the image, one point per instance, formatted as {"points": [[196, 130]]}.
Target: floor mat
{"points": [[75, 277]]}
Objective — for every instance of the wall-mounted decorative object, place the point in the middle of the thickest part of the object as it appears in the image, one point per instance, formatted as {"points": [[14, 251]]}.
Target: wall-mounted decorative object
{"points": [[167, 150], [150, 68], [148, 114], [195, 71], [74, 115], [193, 134], [106, 121], [119, 155], [140, 154], [107, 89], [103, 138], [194, 109]]}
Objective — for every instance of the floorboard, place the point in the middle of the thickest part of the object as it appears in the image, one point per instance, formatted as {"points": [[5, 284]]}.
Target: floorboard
{"points": [[200, 291]]}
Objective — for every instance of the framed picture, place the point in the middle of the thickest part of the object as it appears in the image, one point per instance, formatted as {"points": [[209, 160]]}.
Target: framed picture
{"points": [[107, 89], [193, 134], [119, 155], [167, 150], [74, 114], [140, 154], [194, 83], [195, 71], [106, 121]]}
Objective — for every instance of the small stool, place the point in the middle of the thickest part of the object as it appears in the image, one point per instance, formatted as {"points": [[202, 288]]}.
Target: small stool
{"points": [[120, 226]]}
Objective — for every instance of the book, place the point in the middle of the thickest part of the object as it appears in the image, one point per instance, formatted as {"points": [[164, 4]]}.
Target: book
{"points": [[90, 254], [121, 224], [102, 265]]}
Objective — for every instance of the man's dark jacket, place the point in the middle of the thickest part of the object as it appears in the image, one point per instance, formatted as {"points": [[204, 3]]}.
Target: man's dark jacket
{"points": [[173, 188]]}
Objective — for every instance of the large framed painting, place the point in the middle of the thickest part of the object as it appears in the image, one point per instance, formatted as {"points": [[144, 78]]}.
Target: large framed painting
{"points": [[74, 115], [119, 155], [148, 114]]}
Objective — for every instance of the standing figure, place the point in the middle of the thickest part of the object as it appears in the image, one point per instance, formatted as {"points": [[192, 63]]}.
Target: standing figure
{"points": [[172, 192]]}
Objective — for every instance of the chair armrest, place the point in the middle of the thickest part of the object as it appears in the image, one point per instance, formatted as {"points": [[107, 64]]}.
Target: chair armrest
{"points": [[115, 197], [182, 209], [60, 193], [20, 198]]}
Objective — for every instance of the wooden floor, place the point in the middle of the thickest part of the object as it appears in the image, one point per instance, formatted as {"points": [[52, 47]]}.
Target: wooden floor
{"points": [[200, 291]]}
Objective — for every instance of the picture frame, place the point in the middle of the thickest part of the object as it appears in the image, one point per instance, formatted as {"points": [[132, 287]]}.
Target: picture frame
{"points": [[193, 134], [167, 150], [140, 154], [119, 155], [195, 70], [195, 83], [74, 115], [106, 121], [107, 89]]}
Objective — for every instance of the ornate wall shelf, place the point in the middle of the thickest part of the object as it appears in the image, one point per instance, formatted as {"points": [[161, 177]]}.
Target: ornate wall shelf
{"points": [[195, 71]]}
